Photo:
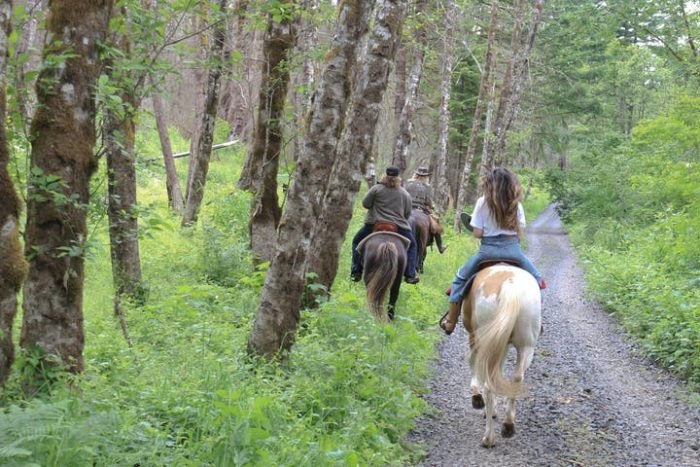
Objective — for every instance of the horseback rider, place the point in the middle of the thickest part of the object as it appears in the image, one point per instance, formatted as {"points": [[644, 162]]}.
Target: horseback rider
{"points": [[422, 196], [499, 221], [387, 202]]}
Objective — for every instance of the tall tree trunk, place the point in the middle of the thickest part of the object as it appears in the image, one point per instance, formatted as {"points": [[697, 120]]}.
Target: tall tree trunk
{"points": [[405, 133], [263, 160], [62, 161], [303, 82], [119, 132], [439, 164], [400, 84], [478, 113], [355, 146], [496, 130], [279, 311], [25, 46], [202, 151], [512, 103], [13, 266], [172, 182]]}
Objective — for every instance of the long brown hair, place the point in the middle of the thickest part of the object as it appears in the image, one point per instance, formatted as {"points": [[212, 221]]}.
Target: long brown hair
{"points": [[502, 192], [391, 182]]}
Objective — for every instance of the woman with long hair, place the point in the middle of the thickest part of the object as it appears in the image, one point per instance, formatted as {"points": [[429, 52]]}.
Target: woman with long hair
{"points": [[498, 220]]}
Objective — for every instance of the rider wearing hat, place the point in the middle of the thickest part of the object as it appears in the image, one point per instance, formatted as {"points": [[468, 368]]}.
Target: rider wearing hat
{"points": [[422, 195], [387, 202]]}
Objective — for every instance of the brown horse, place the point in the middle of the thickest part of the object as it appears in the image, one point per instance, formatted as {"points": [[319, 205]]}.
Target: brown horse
{"points": [[420, 225], [384, 258]]}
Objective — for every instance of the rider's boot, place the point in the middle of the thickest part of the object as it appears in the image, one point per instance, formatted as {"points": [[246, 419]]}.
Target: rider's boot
{"points": [[448, 322]]}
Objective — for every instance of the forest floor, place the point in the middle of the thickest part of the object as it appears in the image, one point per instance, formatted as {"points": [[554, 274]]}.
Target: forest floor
{"points": [[593, 399]]}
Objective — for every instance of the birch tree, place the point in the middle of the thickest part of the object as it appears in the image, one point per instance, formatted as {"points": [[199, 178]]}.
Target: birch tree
{"points": [[62, 161]]}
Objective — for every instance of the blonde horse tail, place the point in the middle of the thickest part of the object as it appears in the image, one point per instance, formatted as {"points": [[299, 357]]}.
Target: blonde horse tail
{"points": [[381, 279], [492, 344]]}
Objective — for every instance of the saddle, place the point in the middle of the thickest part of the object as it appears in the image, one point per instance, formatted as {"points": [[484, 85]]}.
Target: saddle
{"points": [[361, 246], [385, 227]]}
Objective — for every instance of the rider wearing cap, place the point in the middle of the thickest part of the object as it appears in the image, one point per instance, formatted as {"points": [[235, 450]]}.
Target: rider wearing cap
{"points": [[422, 195], [387, 202]]}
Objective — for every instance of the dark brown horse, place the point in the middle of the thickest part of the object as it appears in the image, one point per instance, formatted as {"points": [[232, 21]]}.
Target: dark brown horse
{"points": [[384, 258], [420, 224]]}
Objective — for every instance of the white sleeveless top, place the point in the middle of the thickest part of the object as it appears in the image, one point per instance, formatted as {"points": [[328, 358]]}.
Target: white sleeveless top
{"points": [[484, 220]]}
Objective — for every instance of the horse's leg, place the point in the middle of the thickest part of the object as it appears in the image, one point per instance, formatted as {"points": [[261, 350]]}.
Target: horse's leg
{"points": [[489, 439], [522, 363], [394, 295], [477, 398]]}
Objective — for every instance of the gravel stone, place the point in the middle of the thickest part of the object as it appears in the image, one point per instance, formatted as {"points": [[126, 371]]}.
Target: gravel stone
{"points": [[593, 399]]}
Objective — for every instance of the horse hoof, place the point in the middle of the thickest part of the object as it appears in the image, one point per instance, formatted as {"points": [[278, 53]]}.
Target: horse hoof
{"points": [[508, 430], [488, 443], [478, 401]]}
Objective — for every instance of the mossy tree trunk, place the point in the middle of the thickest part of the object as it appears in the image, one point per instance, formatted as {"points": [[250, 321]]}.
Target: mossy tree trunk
{"points": [[279, 311], [355, 147], [262, 163], [201, 152], [62, 161], [119, 132], [13, 266]]}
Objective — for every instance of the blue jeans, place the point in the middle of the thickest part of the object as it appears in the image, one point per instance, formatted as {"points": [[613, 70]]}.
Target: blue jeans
{"points": [[492, 248], [366, 229]]}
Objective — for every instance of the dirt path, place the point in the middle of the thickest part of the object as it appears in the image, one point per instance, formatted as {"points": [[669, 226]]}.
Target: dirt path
{"points": [[593, 400]]}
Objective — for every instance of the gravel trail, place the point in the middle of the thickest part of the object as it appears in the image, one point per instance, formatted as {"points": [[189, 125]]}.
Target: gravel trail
{"points": [[593, 400]]}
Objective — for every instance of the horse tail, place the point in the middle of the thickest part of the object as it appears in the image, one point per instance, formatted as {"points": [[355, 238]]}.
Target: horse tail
{"points": [[492, 343], [381, 278]]}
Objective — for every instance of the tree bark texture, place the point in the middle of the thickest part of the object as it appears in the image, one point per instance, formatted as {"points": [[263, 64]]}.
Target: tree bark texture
{"points": [[497, 129], [119, 132], [303, 82], [62, 161], [405, 132], [172, 182], [13, 266], [263, 160], [202, 151], [355, 146], [478, 112], [521, 66], [439, 165], [279, 311]]}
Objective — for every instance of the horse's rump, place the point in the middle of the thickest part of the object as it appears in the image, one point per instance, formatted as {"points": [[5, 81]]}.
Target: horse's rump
{"points": [[505, 308], [384, 256]]}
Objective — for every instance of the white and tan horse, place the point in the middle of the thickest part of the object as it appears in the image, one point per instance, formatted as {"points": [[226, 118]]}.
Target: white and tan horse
{"points": [[502, 308]]}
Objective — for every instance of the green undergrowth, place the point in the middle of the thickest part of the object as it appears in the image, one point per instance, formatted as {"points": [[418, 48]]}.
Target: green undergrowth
{"points": [[633, 212], [185, 391]]}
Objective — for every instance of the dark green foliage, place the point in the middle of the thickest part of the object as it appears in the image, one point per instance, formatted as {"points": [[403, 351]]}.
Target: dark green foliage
{"points": [[634, 214]]}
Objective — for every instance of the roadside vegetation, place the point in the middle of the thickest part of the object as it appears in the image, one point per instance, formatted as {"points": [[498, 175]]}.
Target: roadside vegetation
{"points": [[633, 212]]}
